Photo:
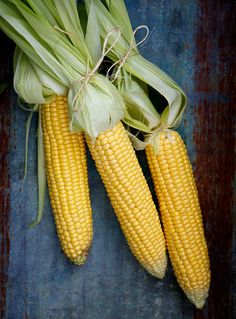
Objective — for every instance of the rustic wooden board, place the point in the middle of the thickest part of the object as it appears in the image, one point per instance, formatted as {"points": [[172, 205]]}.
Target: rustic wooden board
{"points": [[193, 42]]}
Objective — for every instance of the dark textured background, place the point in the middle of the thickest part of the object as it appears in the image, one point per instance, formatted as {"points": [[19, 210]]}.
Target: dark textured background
{"points": [[193, 41]]}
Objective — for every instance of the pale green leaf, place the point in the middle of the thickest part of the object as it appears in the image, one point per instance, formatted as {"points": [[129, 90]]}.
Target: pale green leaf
{"points": [[23, 105], [27, 130], [49, 4], [23, 28], [119, 13], [25, 46], [42, 9], [81, 8], [149, 73], [49, 43], [41, 176], [165, 117], [99, 104], [136, 100], [137, 124], [26, 82], [92, 37], [137, 65], [69, 17], [28, 123], [50, 85], [98, 97], [136, 142]]}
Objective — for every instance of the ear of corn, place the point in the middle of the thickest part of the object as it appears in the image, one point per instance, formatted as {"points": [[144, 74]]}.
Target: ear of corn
{"points": [[66, 167], [180, 211], [130, 197]]}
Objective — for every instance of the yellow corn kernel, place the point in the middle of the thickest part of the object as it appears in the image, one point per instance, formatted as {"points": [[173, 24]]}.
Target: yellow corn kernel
{"points": [[130, 196], [180, 211], [67, 176]]}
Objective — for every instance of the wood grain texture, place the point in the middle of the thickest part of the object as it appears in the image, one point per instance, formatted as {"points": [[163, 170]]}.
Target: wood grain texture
{"points": [[214, 141]]}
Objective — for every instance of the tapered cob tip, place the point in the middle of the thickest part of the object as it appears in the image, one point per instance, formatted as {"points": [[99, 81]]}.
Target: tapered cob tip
{"points": [[198, 298], [81, 259], [160, 269]]}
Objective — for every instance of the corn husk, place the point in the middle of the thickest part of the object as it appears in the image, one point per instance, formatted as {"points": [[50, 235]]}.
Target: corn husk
{"points": [[50, 34], [115, 15]]}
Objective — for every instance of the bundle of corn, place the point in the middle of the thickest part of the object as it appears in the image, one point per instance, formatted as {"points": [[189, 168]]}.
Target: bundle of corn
{"points": [[166, 153], [62, 59]]}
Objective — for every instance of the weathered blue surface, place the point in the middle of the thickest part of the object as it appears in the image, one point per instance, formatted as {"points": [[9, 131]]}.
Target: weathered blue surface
{"points": [[42, 283]]}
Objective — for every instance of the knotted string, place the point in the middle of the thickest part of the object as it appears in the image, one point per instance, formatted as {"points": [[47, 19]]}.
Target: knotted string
{"points": [[86, 78], [129, 53]]}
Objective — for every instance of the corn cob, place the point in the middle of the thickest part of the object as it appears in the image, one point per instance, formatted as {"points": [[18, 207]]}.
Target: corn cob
{"points": [[66, 167], [130, 197], [180, 211]]}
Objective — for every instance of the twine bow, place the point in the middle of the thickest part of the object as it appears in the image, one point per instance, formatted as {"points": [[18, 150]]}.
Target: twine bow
{"points": [[86, 78], [129, 53]]}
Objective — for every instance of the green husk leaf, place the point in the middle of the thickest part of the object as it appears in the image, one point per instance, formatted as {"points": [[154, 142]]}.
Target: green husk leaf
{"points": [[51, 44], [165, 117], [153, 76], [31, 82], [42, 9], [41, 176], [23, 105], [106, 23], [96, 92], [70, 20], [56, 59], [25, 46], [136, 64], [27, 126], [82, 16], [92, 37], [51, 86], [20, 28], [137, 124], [136, 142], [94, 103], [26, 82], [138, 105], [50, 9], [178, 120], [120, 14]]}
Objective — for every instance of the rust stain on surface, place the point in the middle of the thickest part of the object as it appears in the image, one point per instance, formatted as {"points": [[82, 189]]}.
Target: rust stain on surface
{"points": [[5, 74], [214, 141]]}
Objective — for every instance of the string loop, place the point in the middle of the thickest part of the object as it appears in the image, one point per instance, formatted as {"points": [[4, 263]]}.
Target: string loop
{"points": [[86, 78], [129, 53]]}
